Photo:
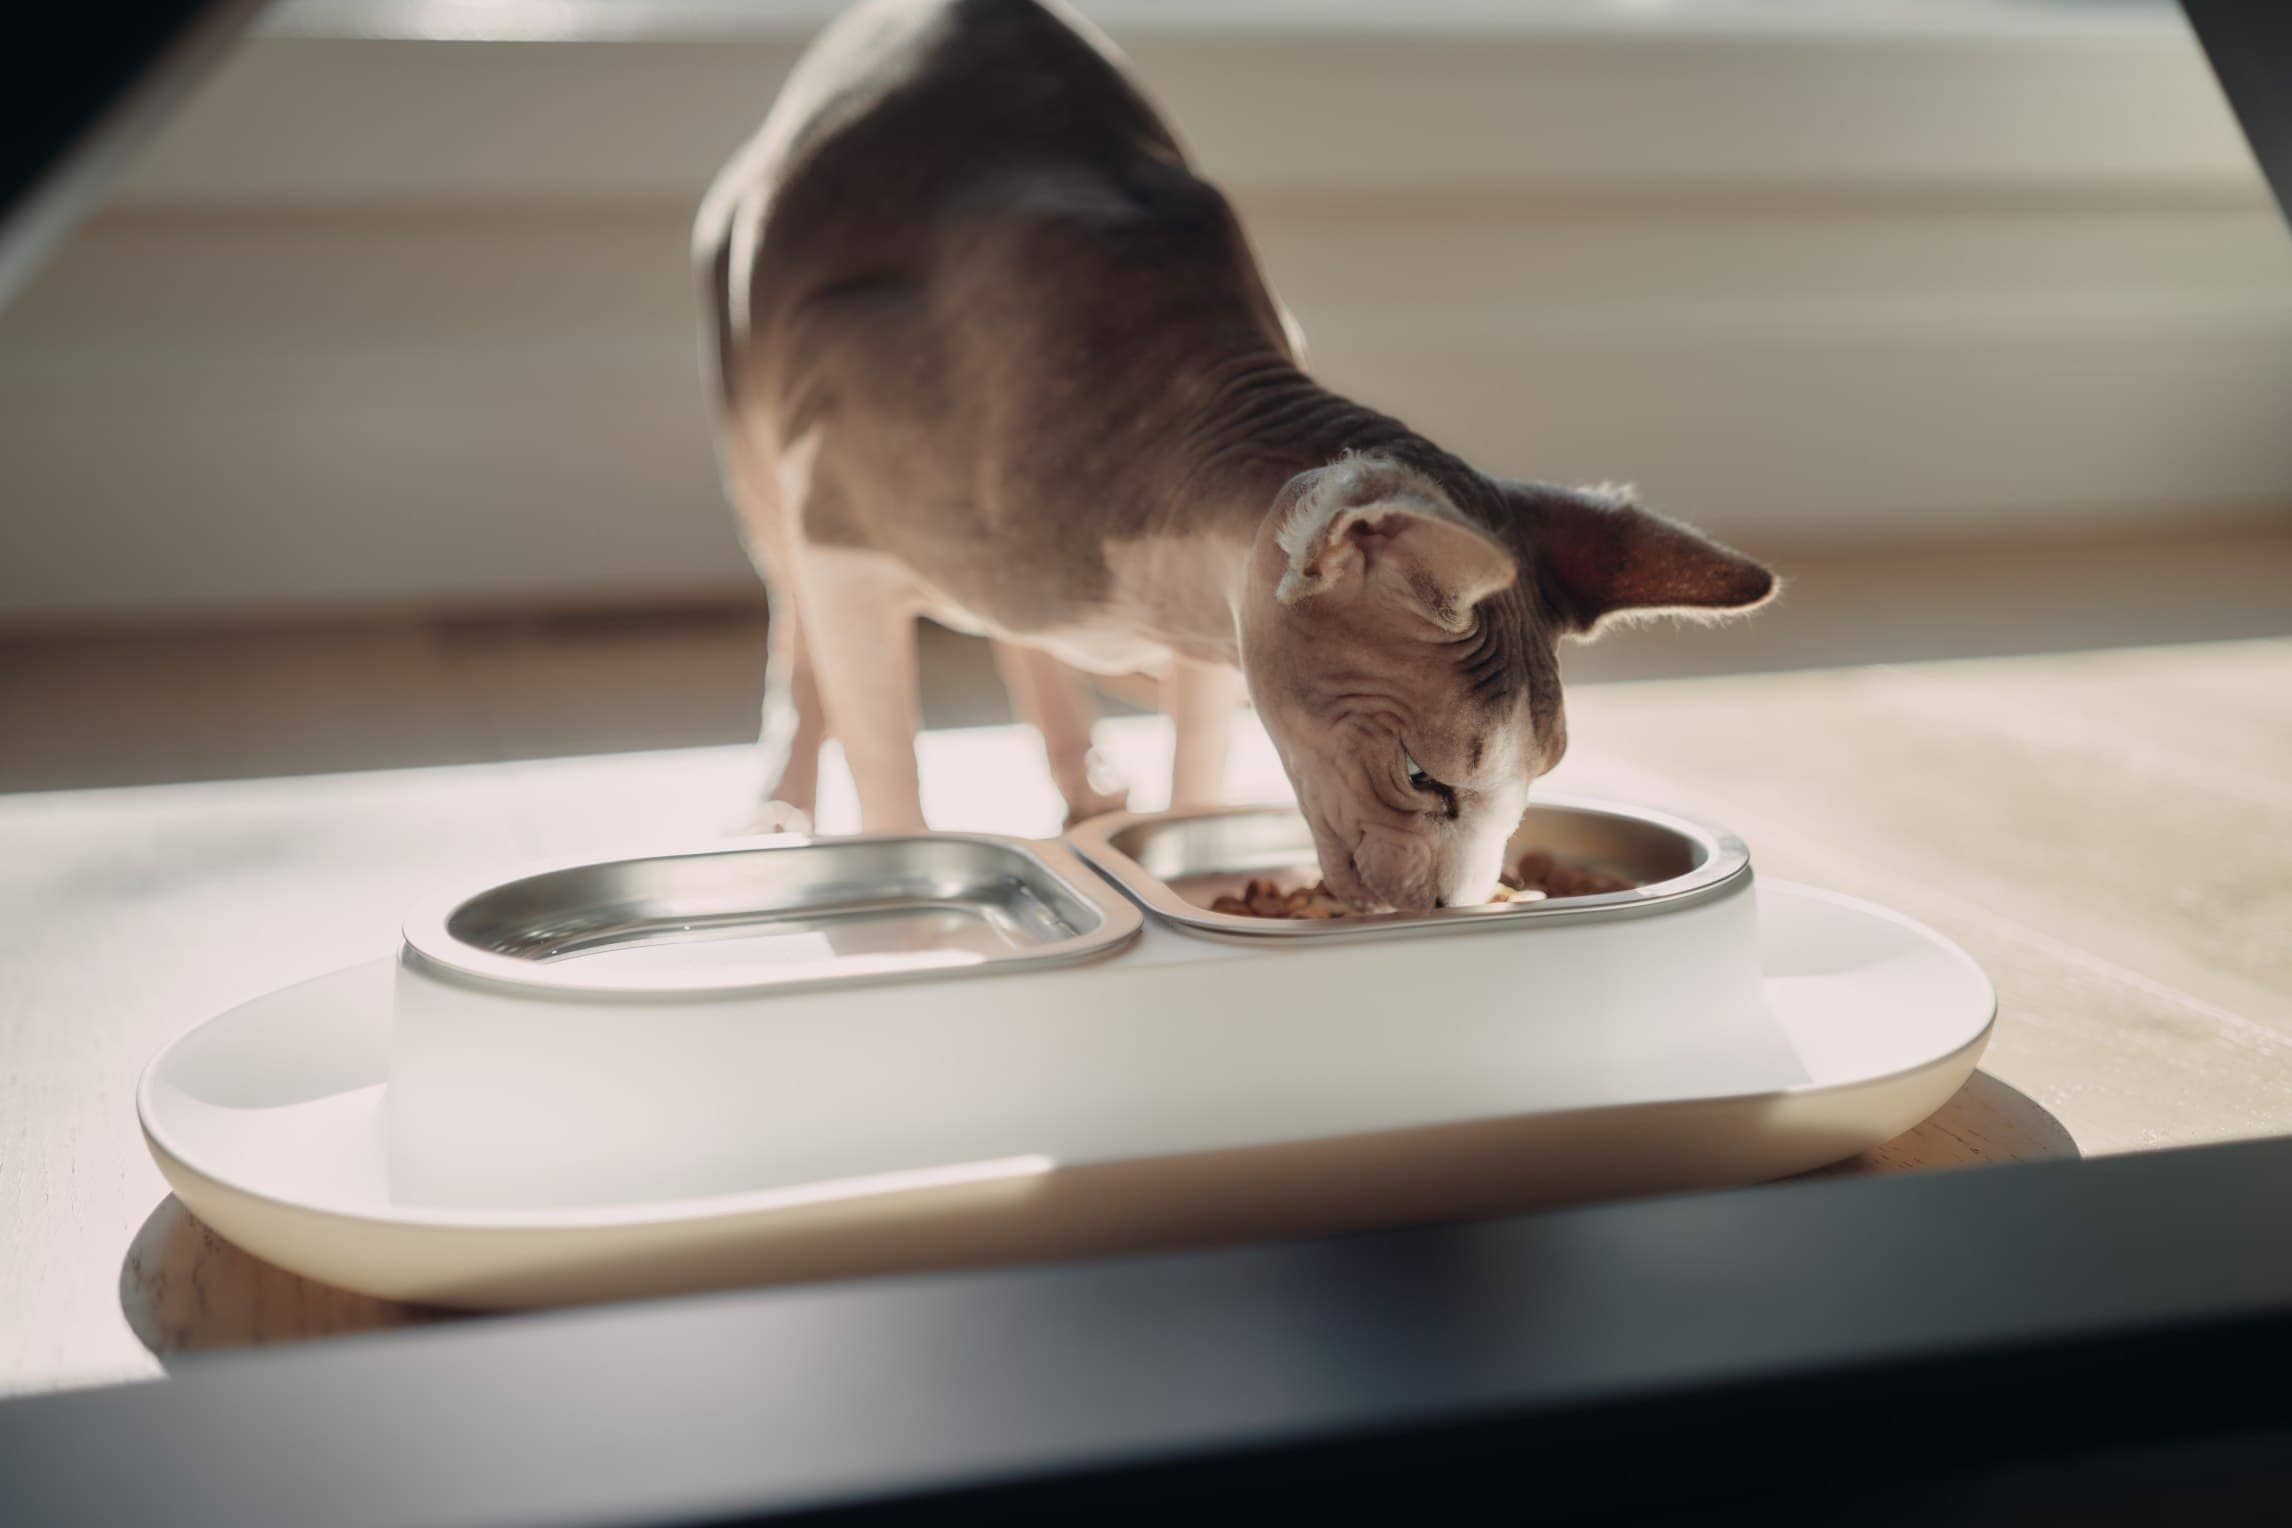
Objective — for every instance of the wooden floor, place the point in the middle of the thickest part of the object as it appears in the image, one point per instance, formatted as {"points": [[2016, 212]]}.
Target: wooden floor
{"points": [[2108, 831]]}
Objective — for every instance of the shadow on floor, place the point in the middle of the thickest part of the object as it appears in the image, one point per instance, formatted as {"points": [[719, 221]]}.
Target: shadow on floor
{"points": [[1985, 1122], [184, 1291]]}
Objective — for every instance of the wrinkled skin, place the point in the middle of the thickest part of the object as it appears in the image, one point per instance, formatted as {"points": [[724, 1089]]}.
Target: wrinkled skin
{"points": [[1351, 692], [1342, 734], [1383, 628]]}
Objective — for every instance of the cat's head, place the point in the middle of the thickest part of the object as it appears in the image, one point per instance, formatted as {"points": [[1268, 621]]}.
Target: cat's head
{"points": [[1402, 650]]}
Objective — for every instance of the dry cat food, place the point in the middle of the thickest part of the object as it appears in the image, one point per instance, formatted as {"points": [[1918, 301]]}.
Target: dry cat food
{"points": [[1538, 875], [1263, 899]]}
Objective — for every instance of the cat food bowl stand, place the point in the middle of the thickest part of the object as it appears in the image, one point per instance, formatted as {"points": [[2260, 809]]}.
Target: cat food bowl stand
{"points": [[780, 1060]]}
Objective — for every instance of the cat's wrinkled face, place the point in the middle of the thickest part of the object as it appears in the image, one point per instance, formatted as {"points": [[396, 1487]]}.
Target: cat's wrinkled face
{"points": [[1403, 658], [1391, 655], [1411, 794]]}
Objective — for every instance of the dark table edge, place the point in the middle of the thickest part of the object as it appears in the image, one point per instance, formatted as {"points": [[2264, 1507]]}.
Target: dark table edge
{"points": [[1833, 1333]]}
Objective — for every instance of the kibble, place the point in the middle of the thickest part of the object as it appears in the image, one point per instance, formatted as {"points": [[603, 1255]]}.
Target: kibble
{"points": [[1539, 875]]}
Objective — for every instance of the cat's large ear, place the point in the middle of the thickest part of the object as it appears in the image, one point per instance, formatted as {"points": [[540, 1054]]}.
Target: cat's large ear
{"points": [[1601, 556], [1366, 528]]}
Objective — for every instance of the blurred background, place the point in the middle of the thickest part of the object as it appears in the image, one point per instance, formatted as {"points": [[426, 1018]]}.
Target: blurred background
{"points": [[362, 425]]}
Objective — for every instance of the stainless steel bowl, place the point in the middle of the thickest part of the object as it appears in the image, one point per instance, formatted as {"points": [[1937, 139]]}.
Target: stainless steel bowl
{"points": [[1175, 864], [776, 913]]}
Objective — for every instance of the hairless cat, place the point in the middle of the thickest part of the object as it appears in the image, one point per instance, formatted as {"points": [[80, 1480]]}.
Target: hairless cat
{"points": [[988, 349]]}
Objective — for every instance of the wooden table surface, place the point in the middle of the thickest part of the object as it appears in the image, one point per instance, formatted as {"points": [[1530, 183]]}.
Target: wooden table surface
{"points": [[2109, 833]]}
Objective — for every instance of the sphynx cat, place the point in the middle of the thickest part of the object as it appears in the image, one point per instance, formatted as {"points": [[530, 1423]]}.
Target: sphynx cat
{"points": [[987, 349]]}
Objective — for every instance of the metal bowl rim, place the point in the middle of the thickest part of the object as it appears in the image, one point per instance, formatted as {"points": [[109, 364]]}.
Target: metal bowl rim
{"points": [[428, 945], [1725, 869]]}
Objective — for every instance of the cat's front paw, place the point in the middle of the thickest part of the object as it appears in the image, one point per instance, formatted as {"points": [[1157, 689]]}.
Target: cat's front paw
{"points": [[1099, 789], [1085, 805], [776, 817]]}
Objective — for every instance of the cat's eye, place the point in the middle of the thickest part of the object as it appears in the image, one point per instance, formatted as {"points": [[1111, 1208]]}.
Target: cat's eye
{"points": [[1418, 779], [1425, 785]]}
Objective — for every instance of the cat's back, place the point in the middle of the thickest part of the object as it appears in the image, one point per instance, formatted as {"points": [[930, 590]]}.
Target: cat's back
{"points": [[904, 113]]}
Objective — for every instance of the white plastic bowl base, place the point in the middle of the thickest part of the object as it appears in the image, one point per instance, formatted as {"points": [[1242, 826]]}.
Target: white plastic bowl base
{"points": [[268, 1122], [503, 1097]]}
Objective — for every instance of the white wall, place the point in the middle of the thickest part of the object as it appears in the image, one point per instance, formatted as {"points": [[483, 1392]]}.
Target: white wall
{"points": [[389, 318]]}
